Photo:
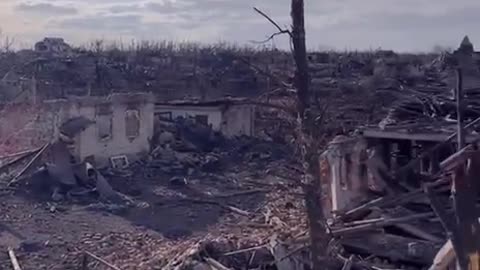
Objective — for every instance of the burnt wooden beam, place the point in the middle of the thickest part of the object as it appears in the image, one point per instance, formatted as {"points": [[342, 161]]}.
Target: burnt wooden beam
{"points": [[419, 233], [378, 223], [446, 220], [395, 248], [427, 153], [391, 200], [456, 159]]}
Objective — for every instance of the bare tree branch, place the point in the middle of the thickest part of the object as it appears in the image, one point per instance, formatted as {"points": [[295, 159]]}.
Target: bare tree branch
{"points": [[271, 37], [280, 30]]}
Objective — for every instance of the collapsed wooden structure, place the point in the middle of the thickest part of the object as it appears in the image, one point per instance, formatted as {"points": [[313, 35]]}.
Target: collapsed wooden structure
{"points": [[406, 195]]}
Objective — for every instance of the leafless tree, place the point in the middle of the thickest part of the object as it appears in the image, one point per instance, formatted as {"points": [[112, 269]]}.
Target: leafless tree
{"points": [[308, 146], [7, 42]]}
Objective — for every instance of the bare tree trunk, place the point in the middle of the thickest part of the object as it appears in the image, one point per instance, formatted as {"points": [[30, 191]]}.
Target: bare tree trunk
{"points": [[311, 182], [300, 55]]}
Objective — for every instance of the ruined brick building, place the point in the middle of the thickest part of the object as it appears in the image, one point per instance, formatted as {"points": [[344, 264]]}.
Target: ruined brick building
{"points": [[122, 124]]}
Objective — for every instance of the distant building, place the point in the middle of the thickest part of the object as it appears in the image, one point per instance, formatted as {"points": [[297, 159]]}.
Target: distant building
{"points": [[52, 45], [468, 61], [232, 117]]}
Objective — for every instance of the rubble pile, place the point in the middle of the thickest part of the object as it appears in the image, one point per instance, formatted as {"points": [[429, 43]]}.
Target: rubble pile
{"points": [[197, 198], [243, 236], [400, 231], [429, 105], [407, 223]]}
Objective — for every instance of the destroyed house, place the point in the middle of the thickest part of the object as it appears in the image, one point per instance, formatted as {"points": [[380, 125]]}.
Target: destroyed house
{"points": [[121, 125], [420, 119], [366, 162], [232, 117], [385, 189], [52, 45]]}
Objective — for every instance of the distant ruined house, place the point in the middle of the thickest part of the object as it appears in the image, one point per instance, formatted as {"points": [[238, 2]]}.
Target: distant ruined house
{"points": [[52, 45]]}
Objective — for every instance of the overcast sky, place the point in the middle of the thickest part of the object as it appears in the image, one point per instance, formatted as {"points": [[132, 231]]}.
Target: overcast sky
{"points": [[403, 25]]}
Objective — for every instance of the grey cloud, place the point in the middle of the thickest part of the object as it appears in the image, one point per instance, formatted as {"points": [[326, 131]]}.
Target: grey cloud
{"points": [[455, 18], [46, 9], [118, 23], [125, 8], [404, 31], [396, 24], [166, 7]]}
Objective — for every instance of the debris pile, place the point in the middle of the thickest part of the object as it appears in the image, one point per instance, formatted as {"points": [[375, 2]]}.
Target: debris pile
{"points": [[196, 199], [392, 231], [429, 105], [410, 227]]}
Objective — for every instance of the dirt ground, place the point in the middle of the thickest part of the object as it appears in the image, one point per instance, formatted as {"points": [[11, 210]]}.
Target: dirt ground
{"points": [[48, 235]]}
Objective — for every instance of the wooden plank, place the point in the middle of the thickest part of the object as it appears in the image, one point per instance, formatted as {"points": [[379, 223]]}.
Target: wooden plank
{"points": [[216, 265], [348, 263], [13, 259], [392, 200], [15, 161], [457, 158], [21, 153], [380, 223], [29, 164], [459, 100], [102, 261], [399, 135], [395, 248], [445, 219], [427, 153], [421, 234], [444, 258]]}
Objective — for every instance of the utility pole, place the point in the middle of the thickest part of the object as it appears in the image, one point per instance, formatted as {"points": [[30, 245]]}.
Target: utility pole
{"points": [[459, 99]]}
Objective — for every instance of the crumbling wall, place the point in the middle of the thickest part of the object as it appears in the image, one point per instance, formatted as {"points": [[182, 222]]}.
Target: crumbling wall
{"points": [[122, 140], [344, 174], [238, 120]]}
